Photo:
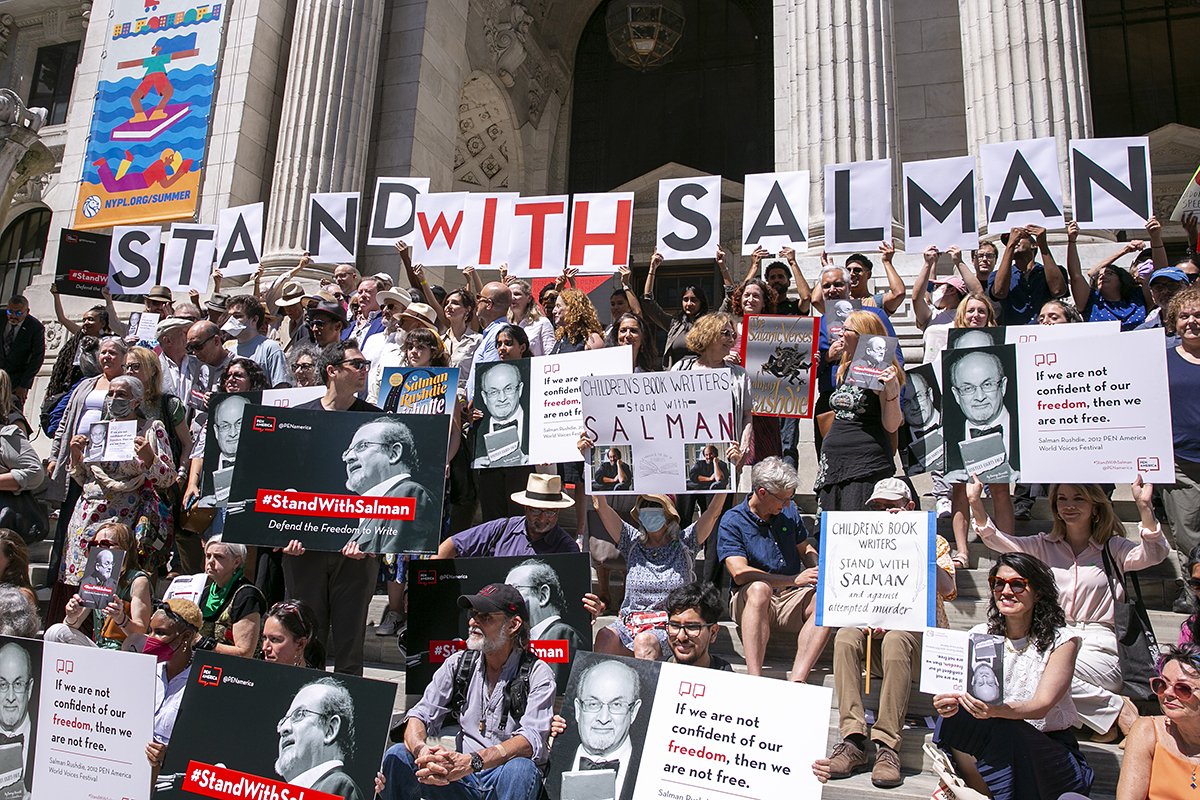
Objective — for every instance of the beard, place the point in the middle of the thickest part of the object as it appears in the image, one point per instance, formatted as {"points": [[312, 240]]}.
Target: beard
{"points": [[477, 640]]}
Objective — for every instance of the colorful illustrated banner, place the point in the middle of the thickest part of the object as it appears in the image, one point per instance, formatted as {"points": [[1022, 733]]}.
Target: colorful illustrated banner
{"points": [[147, 144], [647, 730], [419, 390], [779, 352], [878, 570]]}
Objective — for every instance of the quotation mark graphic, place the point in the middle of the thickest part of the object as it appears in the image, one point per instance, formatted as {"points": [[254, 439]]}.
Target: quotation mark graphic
{"points": [[687, 688], [1045, 359]]}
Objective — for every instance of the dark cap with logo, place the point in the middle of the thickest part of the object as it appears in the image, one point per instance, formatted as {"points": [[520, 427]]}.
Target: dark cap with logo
{"points": [[496, 597]]}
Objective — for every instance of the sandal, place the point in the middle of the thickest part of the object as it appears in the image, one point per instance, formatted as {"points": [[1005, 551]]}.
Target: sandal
{"points": [[961, 560]]}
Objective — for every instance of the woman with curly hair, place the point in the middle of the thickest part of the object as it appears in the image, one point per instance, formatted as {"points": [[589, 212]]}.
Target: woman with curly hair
{"points": [[630, 330], [576, 326], [1021, 748], [1056, 312], [14, 565], [1108, 292], [528, 315], [242, 375]]}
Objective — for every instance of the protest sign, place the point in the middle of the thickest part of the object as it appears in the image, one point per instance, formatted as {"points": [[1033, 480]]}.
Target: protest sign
{"points": [[82, 269], [836, 312], [267, 753], [111, 440], [1022, 334], [486, 221], [1110, 182], [878, 569], [147, 146], [144, 325], [872, 355], [79, 733], [384, 492], [701, 733], [419, 390], [957, 662], [537, 243], [939, 204], [239, 239], [186, 587], [775, 211], [437, 237], [393, 214], [188, 257], [1189, 201], [1022, 184], [601, 229], [553, 586], [531, 408], [858, 205], [689, 217], [979, 411], [333, 227], [779, 353], [1095, 410], [100, 576], [224, 430], [133, 259], [658, 415], [926, 453]]}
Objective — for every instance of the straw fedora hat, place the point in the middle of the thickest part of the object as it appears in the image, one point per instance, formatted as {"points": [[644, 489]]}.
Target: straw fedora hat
{"points": [[543, 491]]}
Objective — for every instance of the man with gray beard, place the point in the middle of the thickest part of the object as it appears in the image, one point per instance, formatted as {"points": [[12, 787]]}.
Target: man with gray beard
{"points": [[500, 745]]}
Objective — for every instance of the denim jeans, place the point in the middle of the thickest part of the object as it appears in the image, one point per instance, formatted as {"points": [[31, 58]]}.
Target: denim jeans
{"points": [[518, 779]]}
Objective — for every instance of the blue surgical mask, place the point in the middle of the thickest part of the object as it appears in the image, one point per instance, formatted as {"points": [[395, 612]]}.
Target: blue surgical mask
{"points": [[652, 519]]}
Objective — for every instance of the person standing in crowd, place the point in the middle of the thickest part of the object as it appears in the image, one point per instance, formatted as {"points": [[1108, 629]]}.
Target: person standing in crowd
{"points": [[764, 545], [1182, 498], [367, 322], [1056, 312], [22, 347], [14, 566], [246, 316], [386, 350], [302, 362], [461, 338], [1021, 284], [499, 749], [528, 315], [858, 449], [1109, 292], [143, 364], [92, 325], [289, 636], [1160, 752], [693, 305], [628, 329], [779, 276], [180, 370], [171, 638], [899, 652], [693, 612], [346, 277], [1085, 528], [1023, 748], [326, 318], [492, 311], [858, 269], [936, 318], [204, 342]]}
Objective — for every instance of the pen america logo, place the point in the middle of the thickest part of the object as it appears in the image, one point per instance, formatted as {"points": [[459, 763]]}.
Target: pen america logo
{"points": [[209, 676], [264, 424]]}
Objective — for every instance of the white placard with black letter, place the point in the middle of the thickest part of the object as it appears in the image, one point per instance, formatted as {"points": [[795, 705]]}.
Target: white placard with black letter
{"points": [[601, 227], [939, 204], [439, 227], [878, 569], [333, 227], [775, 211], [239, 239], [393, 213], [537, 243], [133, 259], [188, 257], [1022, 184], [1110, 182], [689, 217], [486, 221], [858, 205]]}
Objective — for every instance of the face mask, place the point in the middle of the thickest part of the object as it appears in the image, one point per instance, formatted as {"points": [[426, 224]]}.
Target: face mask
{"points": [[118, 407], [652, 519], [234, 327], [939, 294], [157, 648]]}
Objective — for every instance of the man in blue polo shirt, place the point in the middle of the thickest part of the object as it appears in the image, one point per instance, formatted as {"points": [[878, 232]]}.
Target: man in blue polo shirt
{"points": [[1020, 284], [765, 547]]}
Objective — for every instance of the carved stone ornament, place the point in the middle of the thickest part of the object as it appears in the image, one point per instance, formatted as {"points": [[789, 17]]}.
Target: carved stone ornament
{"points": [[506, 37]]}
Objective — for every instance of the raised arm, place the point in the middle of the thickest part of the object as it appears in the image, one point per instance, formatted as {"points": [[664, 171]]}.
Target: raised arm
{"points": [[726, 278], [1157, 248], [61, 314], [756, 258], [893, 298], [654, 313], [627, 286], [818, 294], [117, 325], [711, 516], [1003, 274], [610, 519], [920, 290], [964, 270], [1054, 276], [418, 271], [1081, 288], [803, 292]]}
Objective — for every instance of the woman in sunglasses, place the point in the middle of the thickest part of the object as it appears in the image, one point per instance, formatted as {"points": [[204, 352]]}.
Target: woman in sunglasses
{"points": [[1021, 748], [1085, 529], [1162, 755]]}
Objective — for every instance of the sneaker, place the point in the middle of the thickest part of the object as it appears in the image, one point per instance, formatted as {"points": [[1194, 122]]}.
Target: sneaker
{"points": [[389, 624], [846, 759], [1023, 512], [886, 772], [943, 507], [1183, 603]]}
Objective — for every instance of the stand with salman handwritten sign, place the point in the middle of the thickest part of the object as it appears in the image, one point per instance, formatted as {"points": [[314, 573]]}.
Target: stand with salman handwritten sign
{"points": [[645, 730], [779, 352], [84, 733], [673, 423], [877, 569]]}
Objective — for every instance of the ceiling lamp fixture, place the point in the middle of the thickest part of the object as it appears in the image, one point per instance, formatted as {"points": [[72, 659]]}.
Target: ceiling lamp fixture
{"points": [[642, 34]]}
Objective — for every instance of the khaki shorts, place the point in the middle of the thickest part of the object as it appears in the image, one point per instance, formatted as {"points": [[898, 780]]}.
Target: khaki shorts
{"points": [[787, 607]]}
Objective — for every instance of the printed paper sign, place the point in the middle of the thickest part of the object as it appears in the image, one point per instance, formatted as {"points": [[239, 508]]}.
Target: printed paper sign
{"points": [[439, 229], [239, 239], [858, 205], [333, 227], [957, 662], [537, 244], [111, 440], [487, 219], [188, 257], [775, 211], [552, 585], [939, 204], [393, 214], [872, 356], [1189, 201], [100, 576], [689, 217], [133, 259], [779, 352], [704, 734], [601, 228], [878, 570], [1110, 182], [419, 390], [673, 424], [144, 325], [1022, 184]]}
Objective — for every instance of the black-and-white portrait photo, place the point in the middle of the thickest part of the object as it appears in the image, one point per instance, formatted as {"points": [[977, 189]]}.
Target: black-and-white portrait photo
{"points": [[100, 576], [708, 468], [382, 461], [221, 444], [609, 700], [502, 394], [970, 338], [921, 400], [925, 454], [872, 356], [980, 418], [20, 665], [838, 311], [539, 584], [309, 729], [97, 438], [612, 468], [985, 669]]}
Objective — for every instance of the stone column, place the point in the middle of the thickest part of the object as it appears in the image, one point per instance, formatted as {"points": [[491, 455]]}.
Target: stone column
{"points": [[834, 87], [326, 122], [1025, 72]]}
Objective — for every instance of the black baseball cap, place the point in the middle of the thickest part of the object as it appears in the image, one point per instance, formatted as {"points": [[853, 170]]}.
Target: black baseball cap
{"points": [[496, 597]]}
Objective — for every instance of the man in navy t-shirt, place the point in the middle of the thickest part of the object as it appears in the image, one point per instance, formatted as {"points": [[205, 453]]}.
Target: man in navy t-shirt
{"points": [[1020, 284]]}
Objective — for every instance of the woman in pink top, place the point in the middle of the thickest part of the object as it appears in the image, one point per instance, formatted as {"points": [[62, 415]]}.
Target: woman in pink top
{"points": [[1085, 524]]}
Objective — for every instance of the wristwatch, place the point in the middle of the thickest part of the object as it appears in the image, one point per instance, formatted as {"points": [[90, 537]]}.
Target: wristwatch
{"points": [[476, 762]]}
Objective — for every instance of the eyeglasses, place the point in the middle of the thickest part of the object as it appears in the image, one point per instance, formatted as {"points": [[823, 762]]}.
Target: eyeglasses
{"points": [[984, 257], [225, 428], [1014, 585], [501, 391], [619, 707], [1194, 583], [987, 387], [358, 447], [17, 687], [192, 349], [690, 629], [1159, 686], [295, 717], [133, 367], [159, 605], [355, 363], [102, 543], [305, 366], [729, 333]]}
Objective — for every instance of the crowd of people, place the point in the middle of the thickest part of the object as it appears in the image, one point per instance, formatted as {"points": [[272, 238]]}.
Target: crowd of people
{"points": [[741, 550]]}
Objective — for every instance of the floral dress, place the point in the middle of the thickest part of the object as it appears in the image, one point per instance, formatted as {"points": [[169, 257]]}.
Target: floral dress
{"points": [[114, 490]]}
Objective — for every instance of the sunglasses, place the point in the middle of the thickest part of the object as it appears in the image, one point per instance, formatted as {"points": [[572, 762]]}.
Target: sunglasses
{"points": [[192, 349], [1194, 583], [102, 543], [159, 605], [356, 363], [1014, 585], [1183, 691]]}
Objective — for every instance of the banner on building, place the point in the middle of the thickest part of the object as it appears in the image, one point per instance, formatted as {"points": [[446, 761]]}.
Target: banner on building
{"points": [[148, 141], [779, 352]]}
